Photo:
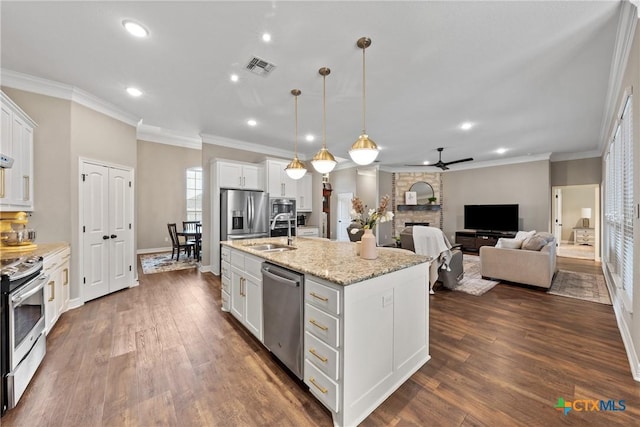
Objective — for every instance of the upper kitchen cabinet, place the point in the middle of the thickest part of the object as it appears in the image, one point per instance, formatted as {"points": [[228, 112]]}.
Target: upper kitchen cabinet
{"points": [[16, 142], [239, 175], [278, 182], [305, 193]]}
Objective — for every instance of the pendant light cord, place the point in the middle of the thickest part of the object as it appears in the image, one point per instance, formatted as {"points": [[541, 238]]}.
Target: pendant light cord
{"points": [[364, 95], [295, 143], [324, 112]]}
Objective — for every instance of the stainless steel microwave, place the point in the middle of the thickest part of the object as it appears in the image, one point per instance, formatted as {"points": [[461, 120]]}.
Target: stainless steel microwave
{"points": [[279, 205]]}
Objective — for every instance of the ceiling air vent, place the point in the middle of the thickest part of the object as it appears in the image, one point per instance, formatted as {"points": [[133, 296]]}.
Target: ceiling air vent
{"points": [[260, 67]]}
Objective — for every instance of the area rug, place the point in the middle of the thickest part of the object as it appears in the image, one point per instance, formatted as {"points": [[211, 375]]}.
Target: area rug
{"points": [[584, 286], [472, 282], [162, 262]]}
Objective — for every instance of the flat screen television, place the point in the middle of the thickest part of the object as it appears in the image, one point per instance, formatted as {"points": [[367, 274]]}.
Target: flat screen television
{"points": [[491, 217]]}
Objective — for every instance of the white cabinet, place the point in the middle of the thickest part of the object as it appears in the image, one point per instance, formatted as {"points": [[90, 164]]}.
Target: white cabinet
{"points": [[16, 183], [246, 290], [239, 175], [56, 292], [278, 182], [305, 193], [225, 278]]}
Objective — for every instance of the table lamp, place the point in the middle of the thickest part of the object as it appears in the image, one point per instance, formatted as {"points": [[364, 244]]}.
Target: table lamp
{"points": [[586, 215]]}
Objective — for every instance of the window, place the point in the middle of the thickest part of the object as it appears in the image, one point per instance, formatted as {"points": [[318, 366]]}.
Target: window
{"points": [[618, 209], [194, 194]]}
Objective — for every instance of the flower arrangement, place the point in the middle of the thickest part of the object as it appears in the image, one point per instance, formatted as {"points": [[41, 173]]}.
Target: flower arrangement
{"points": [[368, 219]]}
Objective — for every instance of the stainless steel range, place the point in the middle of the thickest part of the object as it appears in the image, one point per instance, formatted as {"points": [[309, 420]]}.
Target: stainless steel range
{"points": [[22, 333]]}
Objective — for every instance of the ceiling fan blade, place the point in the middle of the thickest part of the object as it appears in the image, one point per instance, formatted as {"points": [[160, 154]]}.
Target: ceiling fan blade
{"points": [[469, 159]]}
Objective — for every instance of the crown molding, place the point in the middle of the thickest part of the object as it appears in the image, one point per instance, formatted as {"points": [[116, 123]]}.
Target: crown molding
{"points": [[561, 157], [626, 29], [636, 3], [29, 83], [165, 136], [246, 146]]}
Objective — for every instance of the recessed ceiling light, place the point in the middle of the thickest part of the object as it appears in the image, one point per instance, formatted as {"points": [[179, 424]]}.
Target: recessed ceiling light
{"points": [[266, 37], [466, 125], [426, 162], [310, 138], [251, 122], [234, 78], [134, 91], [135, 29], [501, 150]]}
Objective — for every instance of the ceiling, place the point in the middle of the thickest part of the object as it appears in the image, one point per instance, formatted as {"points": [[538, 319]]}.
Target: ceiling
{"points": [[532, 76]]}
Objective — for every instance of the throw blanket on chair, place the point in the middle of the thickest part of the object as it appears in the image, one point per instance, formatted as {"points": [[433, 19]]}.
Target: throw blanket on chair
{"points": [[432, 242]]}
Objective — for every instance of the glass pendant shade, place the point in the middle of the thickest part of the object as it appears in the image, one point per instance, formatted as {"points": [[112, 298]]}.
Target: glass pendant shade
{"points": [[296, 169], [323, 161], [364, 151]]}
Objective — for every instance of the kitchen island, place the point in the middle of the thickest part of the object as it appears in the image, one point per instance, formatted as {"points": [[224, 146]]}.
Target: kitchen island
{"points": [[366, 322]]}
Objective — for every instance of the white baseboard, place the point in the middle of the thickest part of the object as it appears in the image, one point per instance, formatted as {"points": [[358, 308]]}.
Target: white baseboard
{"points": [[205, 268], [152, 250], [75, 303]]}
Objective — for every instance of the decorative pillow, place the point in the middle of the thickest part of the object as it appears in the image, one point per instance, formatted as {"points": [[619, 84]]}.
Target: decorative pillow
{"points": [[548, 237], [508, 243], [523, 235], [534, 243]]}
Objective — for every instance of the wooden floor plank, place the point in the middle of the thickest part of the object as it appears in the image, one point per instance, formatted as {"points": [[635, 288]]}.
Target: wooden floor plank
{"points": [[163, 353]]}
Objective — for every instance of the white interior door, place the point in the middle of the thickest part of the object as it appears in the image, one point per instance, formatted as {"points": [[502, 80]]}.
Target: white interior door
{"points": [[557, 207], [344, 215], [107, 230], [96, 236]]}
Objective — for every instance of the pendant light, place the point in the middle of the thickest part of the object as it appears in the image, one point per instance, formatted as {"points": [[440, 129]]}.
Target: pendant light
{"points": [[364, 150], [323, 161], [296, 169]]}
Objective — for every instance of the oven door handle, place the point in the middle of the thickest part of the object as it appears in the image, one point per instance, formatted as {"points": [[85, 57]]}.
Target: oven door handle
{"points": [[17, 299]]}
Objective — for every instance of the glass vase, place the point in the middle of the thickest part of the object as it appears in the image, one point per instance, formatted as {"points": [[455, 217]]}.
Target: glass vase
{"points": [[368, 249]]}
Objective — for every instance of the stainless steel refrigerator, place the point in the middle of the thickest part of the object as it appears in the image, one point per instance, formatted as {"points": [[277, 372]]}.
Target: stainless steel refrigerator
{"points": [[244, 214]]}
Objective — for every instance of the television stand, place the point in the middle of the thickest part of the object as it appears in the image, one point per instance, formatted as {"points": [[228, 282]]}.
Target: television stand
{"points": [[472, 241]]}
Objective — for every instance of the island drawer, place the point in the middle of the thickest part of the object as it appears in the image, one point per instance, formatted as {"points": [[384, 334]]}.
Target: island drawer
{"points": [[253, 266], [225, 254], [226, 300], [322, 296], [322, 387], [322, 325], [225, 270], [226, 284], [321, 355]]}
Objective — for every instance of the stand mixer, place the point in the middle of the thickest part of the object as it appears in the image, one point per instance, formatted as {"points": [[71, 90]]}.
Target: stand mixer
{"points": [[14, 234]]}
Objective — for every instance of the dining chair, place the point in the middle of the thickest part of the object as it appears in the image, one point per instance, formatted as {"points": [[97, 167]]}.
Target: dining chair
{"points": [[176, 244], [189, 226], [196, 239]]}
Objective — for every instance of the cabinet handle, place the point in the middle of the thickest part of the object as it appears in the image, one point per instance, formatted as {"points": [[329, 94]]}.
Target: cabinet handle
{"points": [[66, 276], [242, 281], [322, 389], [313, 294], [1, 183], [25, 181], [53, 290], [282, 189], [301, 201], [317, 325], [313, 351], [244, 181]]}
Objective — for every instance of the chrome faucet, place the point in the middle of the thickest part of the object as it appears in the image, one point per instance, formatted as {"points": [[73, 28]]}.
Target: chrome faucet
{"points": [[288, 218]]}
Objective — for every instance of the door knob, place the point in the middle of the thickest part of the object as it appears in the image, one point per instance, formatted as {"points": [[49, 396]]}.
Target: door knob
{"points": [[113, 236], [105, 237]]}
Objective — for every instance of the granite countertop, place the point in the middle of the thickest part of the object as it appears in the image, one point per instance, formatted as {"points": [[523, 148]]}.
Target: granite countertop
{"points": [[43, 250], [334, 261]]}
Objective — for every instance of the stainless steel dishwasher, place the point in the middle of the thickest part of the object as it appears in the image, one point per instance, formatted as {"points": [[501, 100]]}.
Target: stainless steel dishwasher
{"points": [[282, 308]]}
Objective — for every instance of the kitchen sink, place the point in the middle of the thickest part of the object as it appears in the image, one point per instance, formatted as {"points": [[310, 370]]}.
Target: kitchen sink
{"points": [[271, 247]]}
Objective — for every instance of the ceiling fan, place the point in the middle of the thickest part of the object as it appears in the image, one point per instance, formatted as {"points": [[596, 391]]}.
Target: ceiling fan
{"points": [[443, 165]]}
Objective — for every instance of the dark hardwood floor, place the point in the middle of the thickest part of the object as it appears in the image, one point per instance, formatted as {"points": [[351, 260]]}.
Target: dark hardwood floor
{"points": [[164, 354]]}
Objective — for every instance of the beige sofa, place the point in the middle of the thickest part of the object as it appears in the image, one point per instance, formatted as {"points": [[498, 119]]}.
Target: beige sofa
{"points": [[535, 268]]}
